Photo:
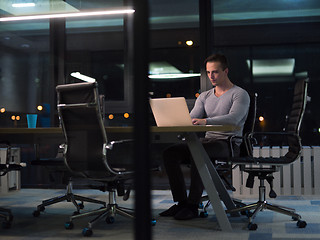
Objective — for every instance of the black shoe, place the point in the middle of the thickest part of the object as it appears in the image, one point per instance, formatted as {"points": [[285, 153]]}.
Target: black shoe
{"points": [[187, 213], [173, 210]]}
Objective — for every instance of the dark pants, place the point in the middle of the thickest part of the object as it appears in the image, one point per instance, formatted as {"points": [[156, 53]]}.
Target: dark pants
{"points": [[179, 154]]}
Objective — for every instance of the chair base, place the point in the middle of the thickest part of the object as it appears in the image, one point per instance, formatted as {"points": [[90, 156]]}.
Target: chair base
{"points": [[262, 205], [108, 212], [69, 197]]}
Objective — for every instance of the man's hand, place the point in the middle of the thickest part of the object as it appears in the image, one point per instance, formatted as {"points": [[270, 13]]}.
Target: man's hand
{"points": [[198, 121]]}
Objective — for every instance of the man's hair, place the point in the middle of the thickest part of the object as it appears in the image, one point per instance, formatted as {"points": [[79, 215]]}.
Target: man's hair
{"points": [[218, 58]]}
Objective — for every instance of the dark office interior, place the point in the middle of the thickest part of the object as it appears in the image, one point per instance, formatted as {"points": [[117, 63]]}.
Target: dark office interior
{"points": [[281, 37], [270, 45]]}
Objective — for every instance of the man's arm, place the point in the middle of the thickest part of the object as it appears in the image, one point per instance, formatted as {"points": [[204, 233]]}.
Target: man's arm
{"points": [[238, 111]]}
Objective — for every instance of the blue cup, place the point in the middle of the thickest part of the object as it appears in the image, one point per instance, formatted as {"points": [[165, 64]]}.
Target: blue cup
{"points": [[32, 120]]}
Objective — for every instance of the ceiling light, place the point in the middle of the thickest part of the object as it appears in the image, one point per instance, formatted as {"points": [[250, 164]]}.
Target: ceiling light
{"points": [[82, 77], [67, 15], [164, 70], [174, 75], [272, 67], [17, 5]]}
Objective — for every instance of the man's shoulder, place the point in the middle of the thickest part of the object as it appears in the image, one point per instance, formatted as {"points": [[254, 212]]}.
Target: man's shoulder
{"points": [[240, 90], [207, 93]]}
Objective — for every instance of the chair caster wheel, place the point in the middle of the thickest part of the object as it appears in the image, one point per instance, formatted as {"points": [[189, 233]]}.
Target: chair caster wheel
{"points": [[153, 222], [110, 219], [252, 226], [87, 232], [68, 225], [6, 224], [301, 224], [204, 214], [81, 205], [36, 213]]}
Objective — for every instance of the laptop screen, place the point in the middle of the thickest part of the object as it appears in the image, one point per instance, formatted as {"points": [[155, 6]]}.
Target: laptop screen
{"points": [[169, 112]]}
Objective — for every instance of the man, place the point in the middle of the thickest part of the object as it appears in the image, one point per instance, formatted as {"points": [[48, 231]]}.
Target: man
{"points": [[226, 103]]}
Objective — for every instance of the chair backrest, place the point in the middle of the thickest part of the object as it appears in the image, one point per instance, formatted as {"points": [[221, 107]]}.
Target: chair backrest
{"points": [[245, 148], [82, 124], [295, 118], [298, 106]]}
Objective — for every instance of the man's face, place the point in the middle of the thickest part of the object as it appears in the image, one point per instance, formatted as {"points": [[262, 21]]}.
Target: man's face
{"points": [[215, 73]]}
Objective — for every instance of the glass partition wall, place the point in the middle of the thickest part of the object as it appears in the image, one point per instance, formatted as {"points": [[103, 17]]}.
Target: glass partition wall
{"points": [[24, 69], [268, 46]]}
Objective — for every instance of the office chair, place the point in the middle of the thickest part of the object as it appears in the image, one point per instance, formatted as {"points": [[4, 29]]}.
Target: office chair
{"points": [[56, 164], [88, 153], [264, 167], [5, 167], [224, 166]]}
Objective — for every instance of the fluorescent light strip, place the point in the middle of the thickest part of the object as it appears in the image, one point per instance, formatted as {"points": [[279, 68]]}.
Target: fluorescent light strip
{"points": [[82, 77], [17, 5], [174, 75], [67, 15]]}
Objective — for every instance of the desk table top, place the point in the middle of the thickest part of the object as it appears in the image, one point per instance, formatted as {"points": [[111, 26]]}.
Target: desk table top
{"points": [[153, 129]]}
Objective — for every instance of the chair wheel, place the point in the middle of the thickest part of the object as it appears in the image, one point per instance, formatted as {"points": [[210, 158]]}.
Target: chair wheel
{"points": [[153, 222], [87, 232], [81, 205], [203, 214], [252, 226], [110, 219], [6, 224], [68, 225], [301, 224], [36, 213]]}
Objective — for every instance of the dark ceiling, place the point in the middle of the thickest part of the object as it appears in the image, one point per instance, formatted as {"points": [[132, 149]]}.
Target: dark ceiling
{"points": [[184, 13]]}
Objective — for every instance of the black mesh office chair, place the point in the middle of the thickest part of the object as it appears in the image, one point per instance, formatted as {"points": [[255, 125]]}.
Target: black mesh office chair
{"points": [[263, 167], [224, 166], [57, 165], [5, 167], [87, 151]]}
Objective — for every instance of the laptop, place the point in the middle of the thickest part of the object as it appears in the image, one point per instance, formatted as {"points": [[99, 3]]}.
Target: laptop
{"points": [[169, 112]]}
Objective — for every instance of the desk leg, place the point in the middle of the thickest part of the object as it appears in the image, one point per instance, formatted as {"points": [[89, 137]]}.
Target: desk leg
{"points": [[210, 179]]}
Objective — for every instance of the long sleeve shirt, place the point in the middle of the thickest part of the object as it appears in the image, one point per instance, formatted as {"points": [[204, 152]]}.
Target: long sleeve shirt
{"points": [[231, 108]]}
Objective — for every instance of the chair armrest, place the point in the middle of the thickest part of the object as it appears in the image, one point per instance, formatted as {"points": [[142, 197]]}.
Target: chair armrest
{"points": [[5, 168], [277, 138], [111, 145]]}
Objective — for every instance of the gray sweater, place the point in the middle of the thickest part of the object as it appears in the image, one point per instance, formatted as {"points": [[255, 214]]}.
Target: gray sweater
{"points": [[231, 108]]}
